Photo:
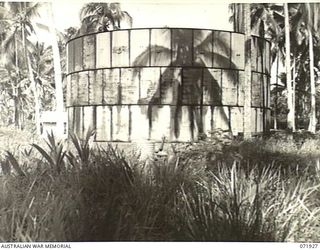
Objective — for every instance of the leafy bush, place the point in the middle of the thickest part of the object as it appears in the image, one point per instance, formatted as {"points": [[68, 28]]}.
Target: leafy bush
{"points": [[219, 190], [238, 206]]}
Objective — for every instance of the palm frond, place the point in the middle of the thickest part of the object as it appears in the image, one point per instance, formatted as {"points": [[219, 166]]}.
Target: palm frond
{"points": [[127, 17], [32, 9]]}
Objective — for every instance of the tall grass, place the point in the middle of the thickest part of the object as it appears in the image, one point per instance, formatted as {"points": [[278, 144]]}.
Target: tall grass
{"points": [[74, 192], [239, 206]]}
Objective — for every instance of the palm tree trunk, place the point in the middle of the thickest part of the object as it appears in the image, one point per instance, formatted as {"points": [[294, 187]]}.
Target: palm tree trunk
{"points": [[16, 61], [33, 84], [275, 116], [57, 72], [294, 90], [290, 116], [312, 122], [247, 69], [36, 97]]}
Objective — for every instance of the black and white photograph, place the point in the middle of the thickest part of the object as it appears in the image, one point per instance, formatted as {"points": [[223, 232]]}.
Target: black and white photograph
{"points": [[159, 121]]}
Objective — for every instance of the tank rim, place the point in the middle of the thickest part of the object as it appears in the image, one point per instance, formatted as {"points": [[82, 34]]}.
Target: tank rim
{"points": [[164, 28]]}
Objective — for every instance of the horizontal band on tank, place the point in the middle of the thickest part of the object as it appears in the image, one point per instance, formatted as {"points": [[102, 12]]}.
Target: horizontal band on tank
{"points": [[159, 86], [132, 123], [163, 47], [129, 29], [174, 67], [160, 105]]}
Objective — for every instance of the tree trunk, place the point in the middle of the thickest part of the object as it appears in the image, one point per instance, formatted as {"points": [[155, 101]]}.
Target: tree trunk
{"points": [[294, 90], [16, 61], [33, 83], [312, 121], [238, 18], [36, 97], [247, 69], [275, 116], [57, 73], [290, 116]]}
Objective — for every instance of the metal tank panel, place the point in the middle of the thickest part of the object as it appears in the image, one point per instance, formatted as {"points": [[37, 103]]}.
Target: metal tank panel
{"points": [[164, 82]]}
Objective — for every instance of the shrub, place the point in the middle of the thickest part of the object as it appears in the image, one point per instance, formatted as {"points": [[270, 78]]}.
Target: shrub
{"points": [[217, 190]]}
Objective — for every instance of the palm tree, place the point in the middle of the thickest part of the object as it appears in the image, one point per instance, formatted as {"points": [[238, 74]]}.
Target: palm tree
{"points": [[18, 15], [190, 93], [310, 17], [237, 16], [15, 96], [57, 70], [304, 23], [43, 69], [264, 20], [102, 17], [291, 116]]}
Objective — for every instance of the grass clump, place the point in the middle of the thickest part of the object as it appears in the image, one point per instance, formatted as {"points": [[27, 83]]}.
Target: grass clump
{"points": [[213, 191]]}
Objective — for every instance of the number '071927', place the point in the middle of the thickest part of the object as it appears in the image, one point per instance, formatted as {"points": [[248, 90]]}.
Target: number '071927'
{"points": [[309, 245]]}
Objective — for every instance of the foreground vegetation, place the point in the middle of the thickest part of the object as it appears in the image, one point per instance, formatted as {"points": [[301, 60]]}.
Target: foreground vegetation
{"points": [[217, 190]]}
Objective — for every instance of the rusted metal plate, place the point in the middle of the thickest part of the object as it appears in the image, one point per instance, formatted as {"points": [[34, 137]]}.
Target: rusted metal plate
{"points": [[266, 93], [78, 121], [182, 47], [221, 49], [129, 83], [256, 90], [68, 98], [95, 87], [160, 47], [267, 119], [236, 120], [229, 87], [267, 59], [89, 52], [260, 54], [149, 87], [207, 120], [103, 50], [254, 120], [220, 118], [139, 47], [203, 48], [254, 54], [170, 85], [70, 120], [191, 86], [120, 48], [74, 78], [259, 120], [83, 88], [103, 123], [139, 122], [88, 119], [212, 87], [237, 51], [241, 88], [111, 86], [120, 123], [186, 123], [78, 54], [161, 123], [70, 53]]}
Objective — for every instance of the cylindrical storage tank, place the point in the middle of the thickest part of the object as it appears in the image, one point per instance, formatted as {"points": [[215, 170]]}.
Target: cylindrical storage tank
{"points": [[147, 84]]}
